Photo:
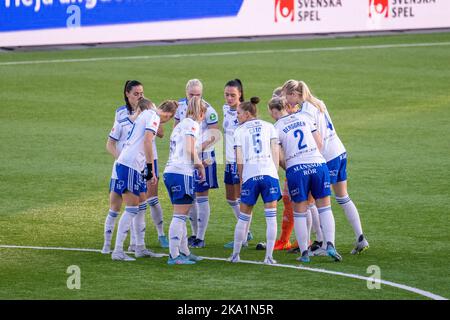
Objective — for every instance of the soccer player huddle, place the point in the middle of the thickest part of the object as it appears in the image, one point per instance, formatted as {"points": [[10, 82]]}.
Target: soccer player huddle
{"points": [[302, 141]]}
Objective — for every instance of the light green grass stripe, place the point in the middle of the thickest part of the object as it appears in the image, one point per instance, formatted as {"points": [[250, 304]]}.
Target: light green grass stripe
{"points": [[227, 53], [336, 273]]}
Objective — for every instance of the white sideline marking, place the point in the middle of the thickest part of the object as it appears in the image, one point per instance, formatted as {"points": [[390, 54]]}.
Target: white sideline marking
{"points": [[336, 273], [229, 53]]}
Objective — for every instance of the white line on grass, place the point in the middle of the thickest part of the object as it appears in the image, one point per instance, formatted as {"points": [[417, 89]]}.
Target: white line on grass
{"points": [[229, 53], [336, 273]]}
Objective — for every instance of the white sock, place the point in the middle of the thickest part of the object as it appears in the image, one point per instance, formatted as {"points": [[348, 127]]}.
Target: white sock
{"points": [[327, 224], [316, 222], [176, 230], [110, 223], [309, 224], [157, 214], [193, 217], [124, 226], [248, 228], [301, 230], [271, 230], [139, 225], [204, 212], [240, 234], [352, 214], [133, 239], [184, 248], [234, 204]]}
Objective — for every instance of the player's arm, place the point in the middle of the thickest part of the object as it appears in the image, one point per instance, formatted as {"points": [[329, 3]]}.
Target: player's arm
{"points": [[193, 156], [111, 147], [282, 158], [148, 150], [318, 139], [275, 149], [160, 132], [215, 136], [239, 162]]}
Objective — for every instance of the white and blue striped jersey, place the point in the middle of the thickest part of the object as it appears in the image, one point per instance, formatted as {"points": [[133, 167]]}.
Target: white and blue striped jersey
{"points": [[179, 161], [133, 154], [211, 118], [296, 138], [254, 137], [230, 124], [121, 113], [332, 145]]}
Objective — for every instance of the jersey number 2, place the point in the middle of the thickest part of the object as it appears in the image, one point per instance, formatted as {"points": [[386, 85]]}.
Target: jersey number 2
{"points": [[298, 133]]}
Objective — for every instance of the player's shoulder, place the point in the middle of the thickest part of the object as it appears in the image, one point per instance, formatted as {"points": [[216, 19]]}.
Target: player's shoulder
{"points": [[182, 101], [121, 109]]}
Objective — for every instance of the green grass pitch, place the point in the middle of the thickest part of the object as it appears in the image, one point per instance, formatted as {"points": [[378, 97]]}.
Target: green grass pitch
{"points": [[390, 107]]}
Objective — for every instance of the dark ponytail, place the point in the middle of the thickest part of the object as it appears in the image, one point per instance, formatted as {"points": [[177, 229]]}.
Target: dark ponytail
{"points": [[129, 85], [236, 83]]}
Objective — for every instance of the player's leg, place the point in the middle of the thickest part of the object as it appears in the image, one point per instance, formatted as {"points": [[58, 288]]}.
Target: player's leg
{"points": [[204, 213], [301, 226], [287, 222], [352, 214], [156, 209], [115, 203]]}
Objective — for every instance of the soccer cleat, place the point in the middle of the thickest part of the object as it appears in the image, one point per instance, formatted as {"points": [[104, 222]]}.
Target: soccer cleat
{"points": [[121, 256], [131, 248], [249, 236], [230, 245], [191, 239], [304, 257], [191, 257], [282, 245], [164, 243], [331, 251], [234, 258], [361, 246], [106, 249], [179, 260], [144, 253], [315, 249], [198, 243], [269, 260]]}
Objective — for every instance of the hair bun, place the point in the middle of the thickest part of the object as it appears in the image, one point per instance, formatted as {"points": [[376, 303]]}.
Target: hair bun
{"points": [[254, 100]]}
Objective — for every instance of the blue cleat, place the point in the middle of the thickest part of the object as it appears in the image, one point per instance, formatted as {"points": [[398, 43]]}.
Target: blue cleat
{"points": [[198, 243], [191, 239], [191, 257], [304, 257], [179, 260], [331, 251], [163, 241]]}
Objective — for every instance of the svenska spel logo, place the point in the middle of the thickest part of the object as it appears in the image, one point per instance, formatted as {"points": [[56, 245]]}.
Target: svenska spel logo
{"points": [[284, 9], [378, 8]]}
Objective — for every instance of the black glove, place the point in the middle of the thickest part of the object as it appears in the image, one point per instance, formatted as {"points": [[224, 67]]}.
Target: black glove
{"points": [[147, 173]]}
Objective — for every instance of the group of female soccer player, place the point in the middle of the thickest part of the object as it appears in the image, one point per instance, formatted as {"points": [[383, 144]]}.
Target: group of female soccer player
{"points": [[303, 141]]}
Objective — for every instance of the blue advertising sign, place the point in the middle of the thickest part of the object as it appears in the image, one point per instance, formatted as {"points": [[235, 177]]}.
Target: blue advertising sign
{"points": [[17, 15]]}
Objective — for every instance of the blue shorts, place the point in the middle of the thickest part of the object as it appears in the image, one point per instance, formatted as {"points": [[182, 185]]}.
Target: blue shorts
{"points": [[303, 178], [231, 175], [338, 168], [127, 180], [180, 188], [211, 181], [268, 187]]}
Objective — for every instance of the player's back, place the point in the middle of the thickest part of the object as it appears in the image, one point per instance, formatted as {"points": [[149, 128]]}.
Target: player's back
{"points": [[179, 160], [133, 154], [255, 137], [296, 137]]}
